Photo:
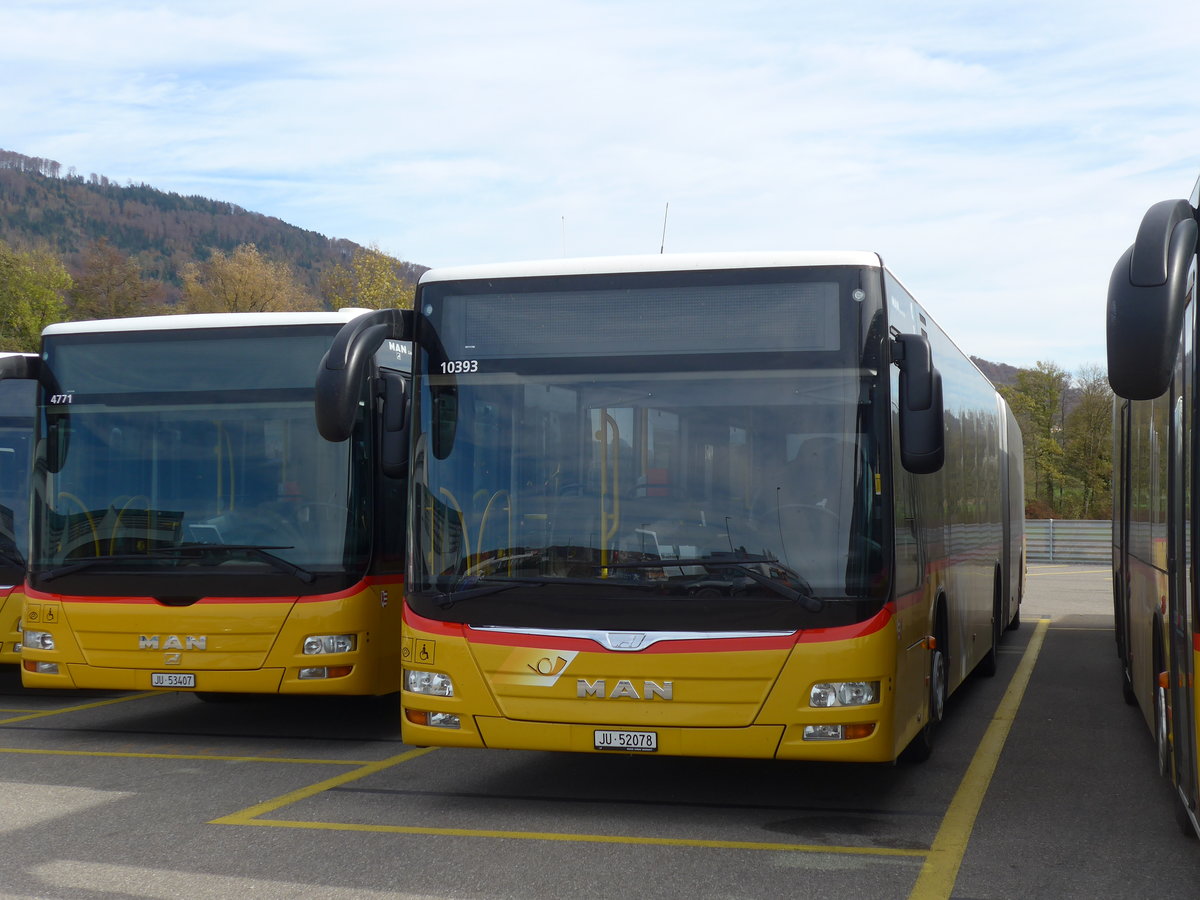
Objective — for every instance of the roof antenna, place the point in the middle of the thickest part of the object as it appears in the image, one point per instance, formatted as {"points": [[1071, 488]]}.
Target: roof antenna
{"points": [[663, 245], [564, 235]]}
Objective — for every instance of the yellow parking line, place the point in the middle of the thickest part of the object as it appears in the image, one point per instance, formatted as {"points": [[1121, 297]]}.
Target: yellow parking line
{"points": [[1092, 570], [941, 861], [246, 816], [940, 871], [590, 838], [250, 816], [191, 756], [68, 709]]}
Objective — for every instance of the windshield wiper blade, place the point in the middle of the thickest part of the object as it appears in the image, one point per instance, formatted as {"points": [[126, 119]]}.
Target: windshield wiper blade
{"points": [[257, 551], [742, 562], [804, 598], [81, 565], [448, 598]]}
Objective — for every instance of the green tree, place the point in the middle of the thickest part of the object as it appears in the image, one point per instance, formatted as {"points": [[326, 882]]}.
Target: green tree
{"points": [[372, 280], [33, 285], [1087, 450], [1037, 402], [110, 286], [243, 281]]}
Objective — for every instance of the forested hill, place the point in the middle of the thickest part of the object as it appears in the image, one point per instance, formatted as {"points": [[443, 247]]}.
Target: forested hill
{"points": [[43, 206], [997, 373]]}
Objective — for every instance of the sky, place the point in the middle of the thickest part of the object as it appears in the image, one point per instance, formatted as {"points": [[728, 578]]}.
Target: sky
{"points": [[999, 156]]}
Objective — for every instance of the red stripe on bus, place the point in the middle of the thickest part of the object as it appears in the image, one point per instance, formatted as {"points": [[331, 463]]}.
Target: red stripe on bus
{"points": [[703, 645], [358, 588]]}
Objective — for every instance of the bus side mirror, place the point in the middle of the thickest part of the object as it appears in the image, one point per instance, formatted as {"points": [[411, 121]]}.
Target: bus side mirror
{"points": [[394, 436], [1147, 295], [922, 414], [345, 365], [30, 367]]}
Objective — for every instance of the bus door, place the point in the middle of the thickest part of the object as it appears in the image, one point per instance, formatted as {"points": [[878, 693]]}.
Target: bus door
{"points": [[1123, 432], [1181, 621], [909, 585]]}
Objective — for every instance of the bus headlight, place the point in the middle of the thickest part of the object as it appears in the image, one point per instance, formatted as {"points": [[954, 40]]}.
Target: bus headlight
{"points": [[435, 684], [843, 693], [38, 640], [329, 643]]}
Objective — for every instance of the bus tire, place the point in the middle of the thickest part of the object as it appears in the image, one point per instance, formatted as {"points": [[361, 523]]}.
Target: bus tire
{"points": [[921, 747], [1162, 739], [1182, 818], [1127, 692], [990, 664]]}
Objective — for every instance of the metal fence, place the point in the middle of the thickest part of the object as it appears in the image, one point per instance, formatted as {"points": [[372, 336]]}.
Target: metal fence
{"points": [[1068, 540]]}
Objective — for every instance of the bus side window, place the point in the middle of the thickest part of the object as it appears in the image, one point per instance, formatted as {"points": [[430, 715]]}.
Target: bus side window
{"points": [[905, 541]]}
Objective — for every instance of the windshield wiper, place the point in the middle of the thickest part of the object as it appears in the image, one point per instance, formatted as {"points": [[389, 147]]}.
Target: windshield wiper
{"points": [[91, 561], [256, 551], [741, 563], [199, 550], [466, 590]]}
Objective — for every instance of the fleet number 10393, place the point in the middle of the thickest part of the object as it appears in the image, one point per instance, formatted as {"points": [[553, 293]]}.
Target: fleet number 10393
{"points": [[460, 366]]}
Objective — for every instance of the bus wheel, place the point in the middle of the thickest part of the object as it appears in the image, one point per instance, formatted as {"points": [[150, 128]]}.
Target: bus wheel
{"points": [[990, 664], [1161, 735], [1127, 684], [1182, 818], [921, 747]]}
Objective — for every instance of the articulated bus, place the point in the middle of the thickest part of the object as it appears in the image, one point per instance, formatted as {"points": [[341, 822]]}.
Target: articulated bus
{"points": [[739, 505], [1152, 369], [16, 443], [189, 529]]}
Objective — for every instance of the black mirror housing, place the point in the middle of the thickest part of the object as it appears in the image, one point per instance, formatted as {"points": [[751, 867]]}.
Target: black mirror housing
{"points": [[922, 413], [1147, 295]]}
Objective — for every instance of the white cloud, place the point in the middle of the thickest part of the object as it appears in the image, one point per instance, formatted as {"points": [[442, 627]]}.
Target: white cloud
{"points": [[999, 157]]}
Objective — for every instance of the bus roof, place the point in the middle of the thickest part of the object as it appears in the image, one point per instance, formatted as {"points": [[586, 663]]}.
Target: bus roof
{"points": [[204, 320], [670, 262]]}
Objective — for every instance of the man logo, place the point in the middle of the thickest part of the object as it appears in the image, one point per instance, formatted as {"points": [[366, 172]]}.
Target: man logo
{"points": [[172, 642], [623, 688]]}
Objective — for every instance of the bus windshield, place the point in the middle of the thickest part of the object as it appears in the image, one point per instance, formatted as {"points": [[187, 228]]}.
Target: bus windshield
{"points": [[16, 440], [193, 451], [710, 464]]}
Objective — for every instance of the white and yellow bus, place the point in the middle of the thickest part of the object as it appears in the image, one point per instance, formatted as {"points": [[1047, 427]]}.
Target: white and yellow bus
{"points": [[16, 443], [742, 505], [1152, 370], [189, 527]]}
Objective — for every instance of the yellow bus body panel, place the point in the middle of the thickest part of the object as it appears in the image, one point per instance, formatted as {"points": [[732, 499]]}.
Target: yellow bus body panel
{"points": [[244, 645], [517, 691], [11, 603]]}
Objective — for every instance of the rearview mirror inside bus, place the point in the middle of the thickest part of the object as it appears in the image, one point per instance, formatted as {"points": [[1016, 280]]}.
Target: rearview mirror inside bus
{"points": [[394, 437], [445, 421]]}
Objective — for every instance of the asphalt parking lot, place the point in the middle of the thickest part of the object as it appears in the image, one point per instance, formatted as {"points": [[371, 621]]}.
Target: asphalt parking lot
{"points": [[1043, 786]]}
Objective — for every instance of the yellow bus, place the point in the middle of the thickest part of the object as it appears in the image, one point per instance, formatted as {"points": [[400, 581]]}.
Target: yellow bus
{"points": [[739, 505], [190, 530], [16, 442], [1152, 370]]}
